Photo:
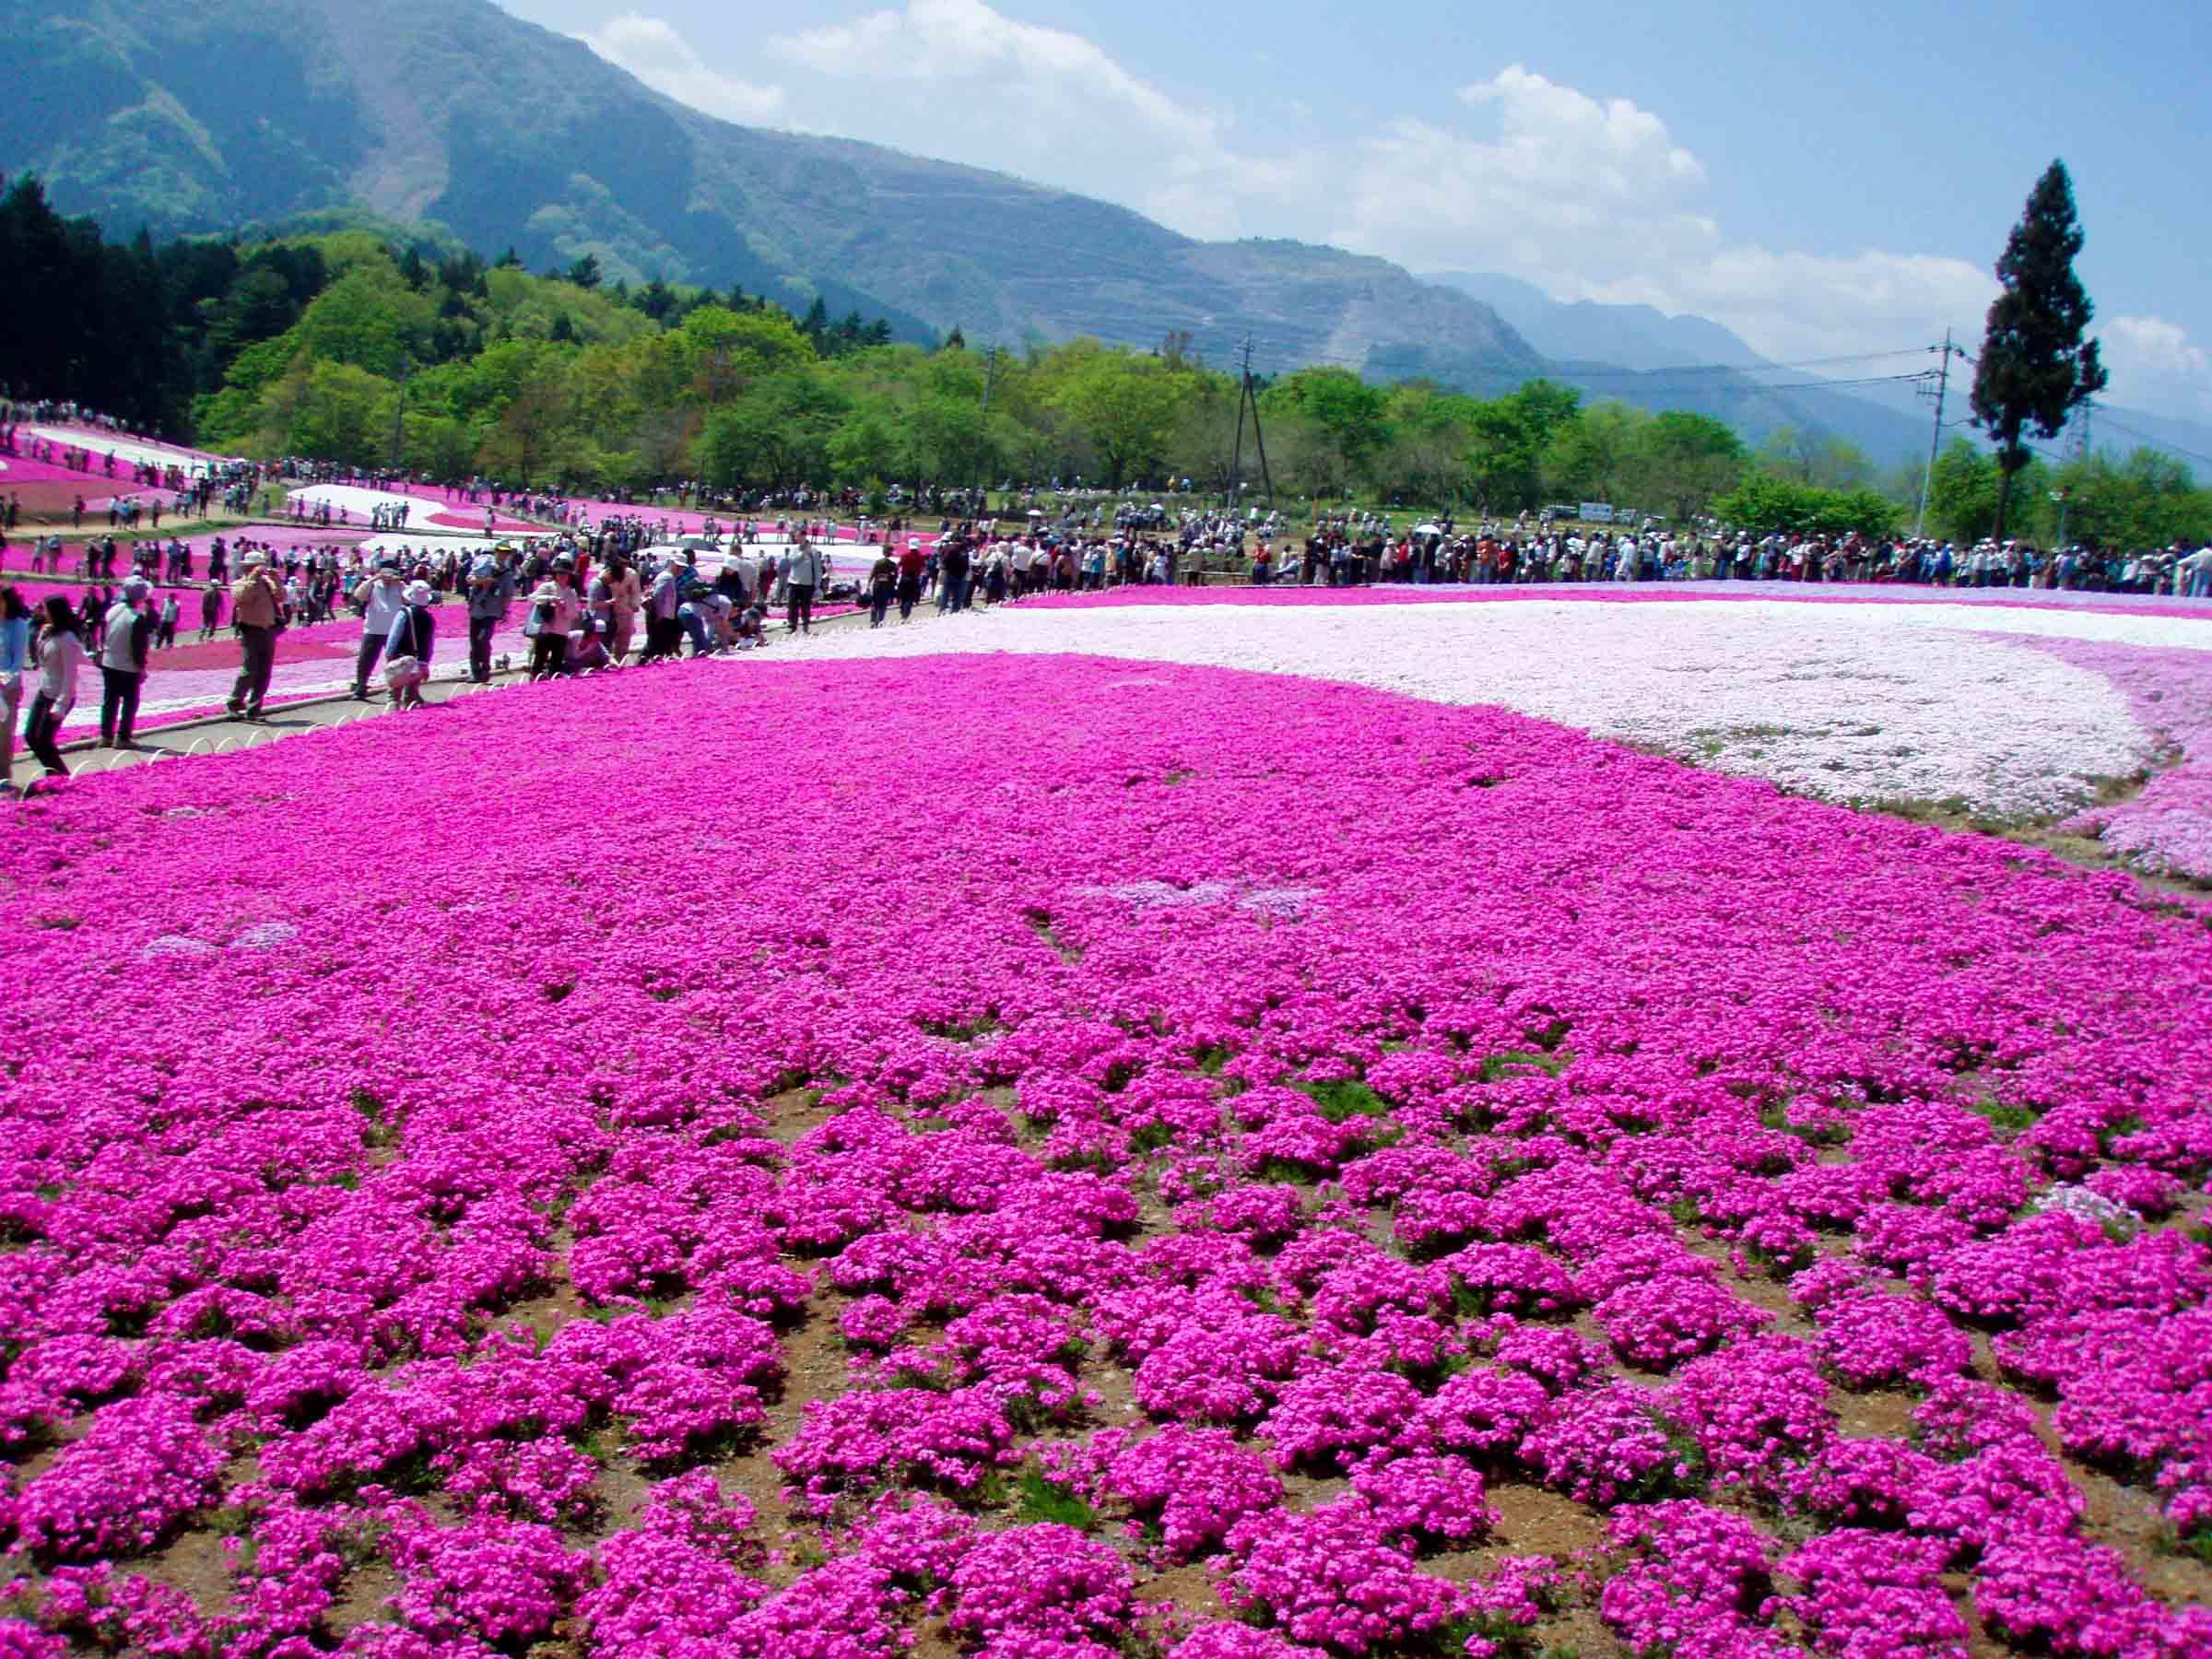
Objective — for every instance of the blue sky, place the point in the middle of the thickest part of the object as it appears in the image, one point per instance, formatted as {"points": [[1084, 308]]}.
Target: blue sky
{"points": [[1820, 180]]}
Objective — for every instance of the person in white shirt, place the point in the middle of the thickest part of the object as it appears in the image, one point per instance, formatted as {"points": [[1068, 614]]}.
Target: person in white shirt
{"points": [[2199, 566], [379, 598], [803, 570]]}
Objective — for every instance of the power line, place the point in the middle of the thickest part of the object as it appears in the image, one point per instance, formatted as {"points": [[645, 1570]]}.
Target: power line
{"points": [[1942, 387], [1756, 368], [2142, 437]]}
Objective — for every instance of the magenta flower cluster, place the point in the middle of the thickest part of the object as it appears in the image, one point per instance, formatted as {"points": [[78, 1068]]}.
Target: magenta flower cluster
{"points": [[1172, 1163]]}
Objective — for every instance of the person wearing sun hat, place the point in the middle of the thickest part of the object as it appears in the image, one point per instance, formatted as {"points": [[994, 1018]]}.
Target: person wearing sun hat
{"points": [[256, 609], [407, 646]]}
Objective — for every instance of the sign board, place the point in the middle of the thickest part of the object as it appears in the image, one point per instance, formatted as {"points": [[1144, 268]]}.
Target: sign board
{"points": [[1597, 512]]}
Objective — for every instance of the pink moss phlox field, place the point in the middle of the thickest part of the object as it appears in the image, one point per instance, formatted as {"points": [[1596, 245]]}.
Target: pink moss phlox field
{"points": [[2167, 827], [1838, 592], [1065, 1167]]}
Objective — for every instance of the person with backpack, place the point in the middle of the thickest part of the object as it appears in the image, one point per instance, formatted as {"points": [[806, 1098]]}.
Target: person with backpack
{"points": [[407, 647], [952, 578], [127, 637], [911, 563], [490, 589]]}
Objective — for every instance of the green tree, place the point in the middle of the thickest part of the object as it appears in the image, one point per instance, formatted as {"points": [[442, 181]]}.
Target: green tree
{"points": [[729, 351], [1683, 460], [1127, 406], [1590, 457], [1963, 490], [2037, 363], [777, 434], [1346, 411], [1764, 502]]}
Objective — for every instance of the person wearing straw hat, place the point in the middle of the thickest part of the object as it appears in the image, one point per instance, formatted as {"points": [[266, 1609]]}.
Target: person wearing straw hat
{"points": [[256, 611]]}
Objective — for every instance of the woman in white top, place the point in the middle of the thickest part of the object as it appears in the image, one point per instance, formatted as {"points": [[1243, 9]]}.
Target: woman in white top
{"points": [[61, 652], [15, 656]]}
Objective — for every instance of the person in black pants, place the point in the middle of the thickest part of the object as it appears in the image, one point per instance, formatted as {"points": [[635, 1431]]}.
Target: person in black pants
{"points": [[130, 635]]}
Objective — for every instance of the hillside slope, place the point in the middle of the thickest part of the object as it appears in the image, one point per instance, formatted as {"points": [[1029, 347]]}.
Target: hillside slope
{"points": [[199, 115]]}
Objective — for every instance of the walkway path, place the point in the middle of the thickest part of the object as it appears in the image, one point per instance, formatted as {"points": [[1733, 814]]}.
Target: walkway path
{"points": [[218, 734]]}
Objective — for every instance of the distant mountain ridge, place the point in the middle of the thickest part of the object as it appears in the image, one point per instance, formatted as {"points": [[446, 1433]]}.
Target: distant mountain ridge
{"points": [[198, 115], [1634, 336], [207, 115]]}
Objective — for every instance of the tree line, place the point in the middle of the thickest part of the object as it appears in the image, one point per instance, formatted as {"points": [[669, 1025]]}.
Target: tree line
{"points": [[382, 352]]}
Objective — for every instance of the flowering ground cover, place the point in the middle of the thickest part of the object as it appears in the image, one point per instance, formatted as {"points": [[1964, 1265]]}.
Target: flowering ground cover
{"points": [[1160, 1167], [21, 469], [1647, 593], [2168, 828], [128, 451], [1867, 703], [424, 517], [192, 678]]}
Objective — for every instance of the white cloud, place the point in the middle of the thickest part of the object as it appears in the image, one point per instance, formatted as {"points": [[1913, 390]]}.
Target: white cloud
{"points": [[1793, 306], [962, 81], [1589, 198], [1564, 189], [1593, 199], [653, 51], [2155, 364]]}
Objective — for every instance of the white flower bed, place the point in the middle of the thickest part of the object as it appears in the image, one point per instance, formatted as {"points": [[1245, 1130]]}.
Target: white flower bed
{"points": [[1853, 702], [128, 451]]}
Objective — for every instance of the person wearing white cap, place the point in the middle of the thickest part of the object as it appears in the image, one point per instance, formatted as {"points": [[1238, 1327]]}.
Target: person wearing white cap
{"points": [[128, 636], [256, 610], [407, 646], [379, 599]]}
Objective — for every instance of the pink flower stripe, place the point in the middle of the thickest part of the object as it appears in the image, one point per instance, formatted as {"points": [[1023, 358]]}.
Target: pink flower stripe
{"points": [[1856, 592], [311, 662], [1160, 1135], [21, 469], [2167, 827], [676, 520]]}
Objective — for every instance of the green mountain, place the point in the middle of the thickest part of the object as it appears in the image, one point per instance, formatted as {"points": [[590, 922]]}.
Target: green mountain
{"points": [[210, 115], [189, 116]]}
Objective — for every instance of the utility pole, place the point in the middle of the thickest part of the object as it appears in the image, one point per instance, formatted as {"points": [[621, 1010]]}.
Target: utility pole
{"points": [[990, 378], [399, 411], [1236, 464], [1259, 438], [1943, 387], [1248, 398], [2063, 494]]}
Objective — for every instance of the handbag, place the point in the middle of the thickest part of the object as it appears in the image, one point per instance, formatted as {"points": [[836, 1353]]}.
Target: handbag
{"points": [[402, 670]]}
